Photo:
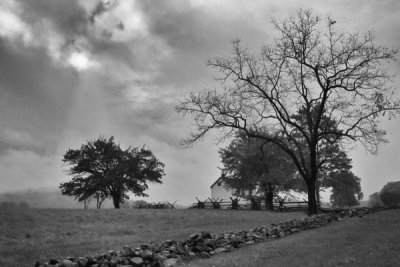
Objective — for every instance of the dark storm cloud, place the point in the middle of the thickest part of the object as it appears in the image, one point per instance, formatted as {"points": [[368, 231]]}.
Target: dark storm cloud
{"points": [[26, 74], [114, 51], [44, 97], [194, 34], [38, 94], [142, 110], [155, 118], [188, 27], [100, 8], [76, 27], [35, 97], [68, 16]]}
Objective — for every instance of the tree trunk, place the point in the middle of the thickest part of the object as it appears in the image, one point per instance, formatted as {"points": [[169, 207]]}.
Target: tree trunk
{"points": [[85, 204], [312, 203], [116, 201], [98, 202], [269, 197], [312, 180], [101, 201], [317, 192], [255, 203]]}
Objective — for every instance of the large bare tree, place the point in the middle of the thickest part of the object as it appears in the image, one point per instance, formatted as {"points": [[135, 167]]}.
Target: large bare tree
{"points": [[311, 74]]}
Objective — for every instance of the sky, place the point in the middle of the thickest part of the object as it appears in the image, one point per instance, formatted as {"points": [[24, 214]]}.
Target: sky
{"points": [[71, 71]]}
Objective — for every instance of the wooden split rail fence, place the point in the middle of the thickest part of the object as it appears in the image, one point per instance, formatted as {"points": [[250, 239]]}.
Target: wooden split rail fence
{"points": [[236, 203], [157, 205]]}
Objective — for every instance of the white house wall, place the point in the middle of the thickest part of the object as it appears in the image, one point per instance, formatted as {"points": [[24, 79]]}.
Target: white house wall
{"points": [[221, 192]]}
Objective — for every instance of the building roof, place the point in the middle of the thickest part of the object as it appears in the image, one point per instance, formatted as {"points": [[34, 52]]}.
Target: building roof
{"points": [[218, 180]]}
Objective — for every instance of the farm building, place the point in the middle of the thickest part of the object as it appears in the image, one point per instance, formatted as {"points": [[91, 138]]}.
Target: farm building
{"points": [[219, 190]]}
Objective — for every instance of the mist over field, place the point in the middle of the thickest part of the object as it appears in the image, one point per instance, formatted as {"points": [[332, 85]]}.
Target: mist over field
{"points": [[47, 198]]}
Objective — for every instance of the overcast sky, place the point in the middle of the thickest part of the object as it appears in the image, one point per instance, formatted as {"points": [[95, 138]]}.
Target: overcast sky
{"points": [[73, 70]]}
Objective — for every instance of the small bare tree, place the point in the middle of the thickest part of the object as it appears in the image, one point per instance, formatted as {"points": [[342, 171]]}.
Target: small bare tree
{"points": [[312, 86]]}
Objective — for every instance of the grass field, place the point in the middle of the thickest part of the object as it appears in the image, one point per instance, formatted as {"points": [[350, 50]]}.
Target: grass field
{"points": [[373, 240], [27, 235]]}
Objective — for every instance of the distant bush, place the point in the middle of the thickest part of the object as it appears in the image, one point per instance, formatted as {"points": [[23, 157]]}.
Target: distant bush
{"points": [[374, 201], [390, 194], [24, 205], [139, 204], [127, 204]]}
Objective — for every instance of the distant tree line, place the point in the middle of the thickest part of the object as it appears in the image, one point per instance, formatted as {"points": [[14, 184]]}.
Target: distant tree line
{"points": [[253, 163], [388, 196]]}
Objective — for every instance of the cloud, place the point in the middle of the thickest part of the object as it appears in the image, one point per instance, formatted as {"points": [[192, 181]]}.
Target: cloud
{"points": [[195, 33], [80, 61], [16, 140], [11, 26], [118, 21], [58, 28]]}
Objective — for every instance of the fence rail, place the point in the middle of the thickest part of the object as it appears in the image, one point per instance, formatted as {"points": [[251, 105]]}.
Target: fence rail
{"points": [[237, 203]]}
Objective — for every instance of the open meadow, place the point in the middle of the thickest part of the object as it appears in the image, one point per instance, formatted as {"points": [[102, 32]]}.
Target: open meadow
{"points": [[372, 240], [28, 235]]}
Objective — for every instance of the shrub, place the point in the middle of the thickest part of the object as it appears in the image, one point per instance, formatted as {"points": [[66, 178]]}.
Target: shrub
{"points": [[390, 194], [127, 204], [139, 204], [23, 205]]}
